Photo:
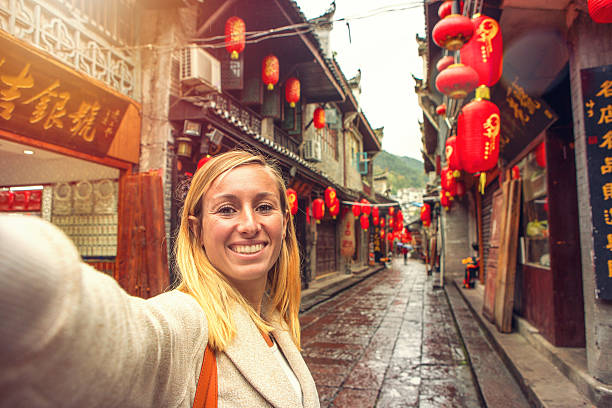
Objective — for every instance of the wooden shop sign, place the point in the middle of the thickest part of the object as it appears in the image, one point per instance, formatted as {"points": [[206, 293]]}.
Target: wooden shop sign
{"points": [[597, 105], [42, 99], [523, 117]]}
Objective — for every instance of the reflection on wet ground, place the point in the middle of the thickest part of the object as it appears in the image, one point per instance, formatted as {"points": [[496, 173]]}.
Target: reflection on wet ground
{"points": [[389, 341]]}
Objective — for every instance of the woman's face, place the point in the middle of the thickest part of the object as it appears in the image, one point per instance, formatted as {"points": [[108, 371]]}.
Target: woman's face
{"points": [[243, 225]]}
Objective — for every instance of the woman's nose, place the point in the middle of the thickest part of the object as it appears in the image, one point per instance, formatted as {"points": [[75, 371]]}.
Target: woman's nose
{"points": [[248, 223]]}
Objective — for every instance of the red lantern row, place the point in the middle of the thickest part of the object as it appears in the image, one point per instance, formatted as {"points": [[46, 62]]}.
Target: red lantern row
{"points": [[20, 200], [484, 51]]}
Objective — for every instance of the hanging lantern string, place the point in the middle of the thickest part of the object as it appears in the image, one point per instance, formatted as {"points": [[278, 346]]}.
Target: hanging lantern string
{"points": [[369, 204]]}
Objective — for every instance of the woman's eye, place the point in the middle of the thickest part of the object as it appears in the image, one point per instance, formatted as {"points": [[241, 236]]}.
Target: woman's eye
{"points": [[226, 210], [265, 208]]}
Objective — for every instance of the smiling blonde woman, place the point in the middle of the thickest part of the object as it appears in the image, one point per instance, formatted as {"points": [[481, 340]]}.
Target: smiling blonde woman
{"points": [[71, 337]]}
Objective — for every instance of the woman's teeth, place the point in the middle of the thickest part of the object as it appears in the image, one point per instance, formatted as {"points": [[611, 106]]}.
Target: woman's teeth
{"points": [[247, 249]]}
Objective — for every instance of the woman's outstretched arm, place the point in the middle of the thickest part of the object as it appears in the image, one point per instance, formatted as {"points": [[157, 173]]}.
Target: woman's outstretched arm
{"points": [[71, 337]]}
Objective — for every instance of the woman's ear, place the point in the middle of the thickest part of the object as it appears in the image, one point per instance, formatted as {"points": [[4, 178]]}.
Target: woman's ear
{"points": [[194, 226]]}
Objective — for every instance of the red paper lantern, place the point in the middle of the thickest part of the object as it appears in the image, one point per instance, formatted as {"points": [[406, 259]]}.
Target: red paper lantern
{"points": [[441, 109], [318, 118], [269, 71], [382, 234], [356, 210], [292, 200], [334, 208], [375, 211], [365, 206], [452, 156], [390, 237], [203, 161], [540, 155], [307, 215], [446, 8], [391, 210], [601, 11], [234, 36], [292, 91], [426, 214], [382, 222], [391, 222], [445, 200], [516, 172], [478, 128], [364, 220], [447, 181], [375, 219], [445, 62], [330, 196], [453, 31], [318, 209], [484, 51], [457, 81]]}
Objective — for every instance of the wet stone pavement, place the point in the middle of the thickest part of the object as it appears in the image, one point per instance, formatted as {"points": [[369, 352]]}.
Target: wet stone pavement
{"points": [[389, 341]]}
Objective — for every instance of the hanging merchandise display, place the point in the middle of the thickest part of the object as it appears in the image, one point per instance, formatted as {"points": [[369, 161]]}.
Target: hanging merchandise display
{"points": [[270, 70], [318, 209], [601, 11], [445, 62], [293, 201], [330, 196], [446, 8], [364, 220], [7, 198], [318, 118], [457, 81], [292, 91], [83, 197], [484, 52], [453, 31], [478, 126], [235, 31]]}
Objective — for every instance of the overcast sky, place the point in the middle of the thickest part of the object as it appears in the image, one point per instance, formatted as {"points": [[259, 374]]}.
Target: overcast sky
{"points": [[383, 46]]}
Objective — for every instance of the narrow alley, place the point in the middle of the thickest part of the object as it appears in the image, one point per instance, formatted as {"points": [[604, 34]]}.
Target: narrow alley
{"points": [[389, 341]]}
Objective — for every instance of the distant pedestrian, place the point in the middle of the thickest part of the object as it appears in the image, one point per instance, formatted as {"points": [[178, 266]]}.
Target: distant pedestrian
{"points": [[228, 334]]}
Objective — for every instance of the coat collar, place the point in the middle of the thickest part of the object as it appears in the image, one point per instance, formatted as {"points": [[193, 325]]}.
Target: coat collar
{"points": [[257, 363]]}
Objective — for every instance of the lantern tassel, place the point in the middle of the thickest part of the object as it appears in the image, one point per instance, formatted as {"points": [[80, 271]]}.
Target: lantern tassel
{"points": [[234, 55], [482, 182]]}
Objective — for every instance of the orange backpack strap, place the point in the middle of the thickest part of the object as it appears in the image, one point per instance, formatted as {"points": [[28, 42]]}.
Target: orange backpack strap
{"points": [[206, 390]]}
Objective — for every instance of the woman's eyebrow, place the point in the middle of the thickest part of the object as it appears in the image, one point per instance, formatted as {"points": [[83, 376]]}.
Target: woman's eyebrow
{"points": [[258, 196]]}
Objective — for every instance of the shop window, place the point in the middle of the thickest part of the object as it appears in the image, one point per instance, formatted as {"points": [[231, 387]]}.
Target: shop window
{"points": [[535, 248]]}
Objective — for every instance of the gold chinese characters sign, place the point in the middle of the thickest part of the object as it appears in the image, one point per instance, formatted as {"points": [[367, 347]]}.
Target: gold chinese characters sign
{"points": [[44, 100], [597, 105], [523, 117]]}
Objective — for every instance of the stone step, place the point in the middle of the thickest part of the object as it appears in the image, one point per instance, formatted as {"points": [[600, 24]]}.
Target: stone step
{"points": [[542, 383]]}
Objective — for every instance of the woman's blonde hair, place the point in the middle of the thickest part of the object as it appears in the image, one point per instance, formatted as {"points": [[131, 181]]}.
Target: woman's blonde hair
{"points": [[198, 277]]}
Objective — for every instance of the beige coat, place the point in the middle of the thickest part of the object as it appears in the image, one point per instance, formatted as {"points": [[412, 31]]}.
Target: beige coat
{"points": [[71, 337]]}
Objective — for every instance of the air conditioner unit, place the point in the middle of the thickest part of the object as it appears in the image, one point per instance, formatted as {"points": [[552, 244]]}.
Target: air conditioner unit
{"points": [[312, 150], [200, 70]]}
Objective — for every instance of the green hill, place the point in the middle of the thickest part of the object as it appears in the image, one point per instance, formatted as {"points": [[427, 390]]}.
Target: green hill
{"points": [[403, 172]]}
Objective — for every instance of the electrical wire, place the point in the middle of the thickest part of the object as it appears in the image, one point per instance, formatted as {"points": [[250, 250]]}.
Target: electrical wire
{"points": [[253, 37]]}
